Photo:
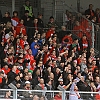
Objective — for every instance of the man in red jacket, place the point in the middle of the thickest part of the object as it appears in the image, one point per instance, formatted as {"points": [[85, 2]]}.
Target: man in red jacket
{"points": [[20, 28], [6, 69], [67, 40], [50, 32], [78, 29], [58, 96]]}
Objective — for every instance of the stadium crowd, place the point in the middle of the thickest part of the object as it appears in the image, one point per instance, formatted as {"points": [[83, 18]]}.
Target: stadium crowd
{"points": [[38, 57]]}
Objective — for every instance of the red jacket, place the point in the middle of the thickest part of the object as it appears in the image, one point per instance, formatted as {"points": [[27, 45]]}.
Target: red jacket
{"points": [[79, 30], [84, 23], [70, 40], [17, 71], [6, 70], [18, 29], [47, 55], [0, 80], [97, 97], [87, 27], [22, 43], [49, 33], [84, 44], [15, 21], [57, 97]]}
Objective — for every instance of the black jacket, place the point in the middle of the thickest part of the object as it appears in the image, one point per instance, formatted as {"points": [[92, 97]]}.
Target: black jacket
{"points": [[6, 19], [83, 86], [11, 76], [88, 12]]}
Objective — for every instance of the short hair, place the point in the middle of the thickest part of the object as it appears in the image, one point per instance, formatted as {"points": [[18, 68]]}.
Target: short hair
{"points": [[51, 17], [15, 12], [26, 11], [90, 5], [27, 0]]}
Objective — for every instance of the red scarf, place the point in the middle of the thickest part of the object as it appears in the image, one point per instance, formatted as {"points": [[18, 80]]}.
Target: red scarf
{"points": [[42, 86]]}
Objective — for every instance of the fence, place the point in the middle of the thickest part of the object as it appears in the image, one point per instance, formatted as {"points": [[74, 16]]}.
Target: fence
{"points": [[29, 94], [56, 8]]}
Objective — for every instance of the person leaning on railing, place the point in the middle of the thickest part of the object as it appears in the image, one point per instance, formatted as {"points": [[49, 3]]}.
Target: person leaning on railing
{"points": [[27, 94], [40, 86]]}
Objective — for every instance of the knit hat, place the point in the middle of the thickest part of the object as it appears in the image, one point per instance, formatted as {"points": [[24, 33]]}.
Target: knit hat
{"points": [[27, 82], [30, 71], [60, 80]]}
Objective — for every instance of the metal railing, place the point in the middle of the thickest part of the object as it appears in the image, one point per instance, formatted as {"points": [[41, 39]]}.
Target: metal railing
{"points": [[57, 9], [47, 94], [61, 9]]}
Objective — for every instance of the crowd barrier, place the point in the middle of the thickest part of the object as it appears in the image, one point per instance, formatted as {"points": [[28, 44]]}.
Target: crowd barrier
{"points": [[22, 94]]}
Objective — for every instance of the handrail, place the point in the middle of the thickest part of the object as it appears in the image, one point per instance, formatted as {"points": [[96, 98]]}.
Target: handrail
{"points": [[64, 93], [48, 91], [77, 12]]}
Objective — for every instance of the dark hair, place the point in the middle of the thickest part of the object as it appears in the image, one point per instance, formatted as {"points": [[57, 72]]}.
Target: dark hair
{"points": [[7, 12], [51, 17], [47, 80], [15, 12], [26, 11], [90, 5], [27, 0]]}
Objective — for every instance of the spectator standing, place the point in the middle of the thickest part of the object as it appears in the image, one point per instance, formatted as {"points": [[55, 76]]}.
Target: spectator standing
{"points": [[49, 87], [50, 32], [15, 19], [36, 27], [67, 40], [20, 28], [62, 33], [71, 22], [27, 94], [83, 86], [3, 80], [51, 22], [78, 29], [6, 68], [97, 14], [83, 64], [12, 74], [90, 12], [34, 48], [28, 7], [6, 17], [36, 77], [74, 95], [40, 21], [26, 18], [40, 86]]}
